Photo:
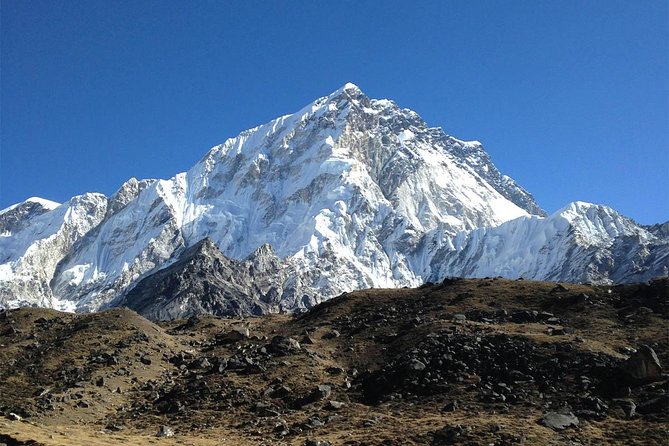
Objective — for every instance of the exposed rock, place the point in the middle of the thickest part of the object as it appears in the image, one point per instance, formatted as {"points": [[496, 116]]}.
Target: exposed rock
{"points": [[628, 406], [235, 335], [310, 442], [657, 405], [450, 407], [201, 282], [559, 421], [334, 405], [321, 392], [331, 334], [165, 431], [643, 366], [282, 345], [450, 434]]}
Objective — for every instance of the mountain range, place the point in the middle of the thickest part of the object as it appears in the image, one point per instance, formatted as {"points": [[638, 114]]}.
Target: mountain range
{"points": [[347, 193]]}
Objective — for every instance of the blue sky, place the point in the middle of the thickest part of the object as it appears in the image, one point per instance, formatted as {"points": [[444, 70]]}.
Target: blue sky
{"points": [[569, 97]]}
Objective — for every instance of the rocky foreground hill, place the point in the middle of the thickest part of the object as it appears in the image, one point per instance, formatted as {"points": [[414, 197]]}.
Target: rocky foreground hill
{"points": [[466, 361]]}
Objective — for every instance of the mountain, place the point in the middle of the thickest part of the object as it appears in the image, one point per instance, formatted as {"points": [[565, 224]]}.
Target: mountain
{"points": [[349, 192], [582, 242]]}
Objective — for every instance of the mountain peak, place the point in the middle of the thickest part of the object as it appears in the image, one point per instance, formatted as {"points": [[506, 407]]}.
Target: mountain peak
{"points": [[45, 204], [348, 87], [348, 92]]}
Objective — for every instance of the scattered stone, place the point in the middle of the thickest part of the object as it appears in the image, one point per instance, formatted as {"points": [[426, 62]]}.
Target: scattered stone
{"points": [[416, 365], [369, 422], [309, 442], [559, 421], [313, 422], [237, 334], [145, 360], [282, 345], [450, 407], [450, 434], [321, 392], [281, 392], [334, 370], [204, 364], [221, 365], [331, 334], [165, 431], [334, 405], [524, 316]]}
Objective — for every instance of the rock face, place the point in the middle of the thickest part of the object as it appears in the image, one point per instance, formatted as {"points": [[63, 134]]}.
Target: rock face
{"points": [[204, 281], [349, 192]]}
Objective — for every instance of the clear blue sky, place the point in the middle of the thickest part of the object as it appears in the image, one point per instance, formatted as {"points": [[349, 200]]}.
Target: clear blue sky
{"points": [[569, 97]]}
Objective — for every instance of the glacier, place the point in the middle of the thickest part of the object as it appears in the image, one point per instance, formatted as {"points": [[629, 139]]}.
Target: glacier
{"points": [[349, 192]]}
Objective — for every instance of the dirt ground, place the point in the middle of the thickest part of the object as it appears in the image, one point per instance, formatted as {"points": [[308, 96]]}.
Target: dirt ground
{"points": [[474, 362]]}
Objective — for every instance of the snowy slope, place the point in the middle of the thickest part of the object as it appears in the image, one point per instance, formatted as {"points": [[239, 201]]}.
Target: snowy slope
{"points": [[350, 192], [581, 242], [36, 235]]}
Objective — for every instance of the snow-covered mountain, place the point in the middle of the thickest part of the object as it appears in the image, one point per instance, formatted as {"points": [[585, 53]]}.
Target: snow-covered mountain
{"points": [[349, 192]]}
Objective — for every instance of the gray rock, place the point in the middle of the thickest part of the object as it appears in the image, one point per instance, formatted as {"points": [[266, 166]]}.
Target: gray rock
{"points": [[451, 434], [450, 407], [416, 365], [459, 317], [310, 442], [331, 334], [285, 346], [643, 366], [235, 335], [659, 404], [165, 431], [323, 391], [627, 405], [334, 405], [559, 421]]}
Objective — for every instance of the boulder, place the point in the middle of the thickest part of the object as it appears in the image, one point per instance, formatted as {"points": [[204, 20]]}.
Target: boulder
{"points": [[282, 345], [659, 405], [643, 366], [627, 405], [559, 420]]}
